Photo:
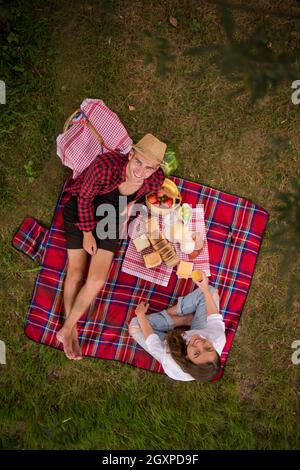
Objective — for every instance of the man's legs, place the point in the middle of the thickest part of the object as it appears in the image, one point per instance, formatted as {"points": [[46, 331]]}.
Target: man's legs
{"points": [[98, 270], [77, 261]]}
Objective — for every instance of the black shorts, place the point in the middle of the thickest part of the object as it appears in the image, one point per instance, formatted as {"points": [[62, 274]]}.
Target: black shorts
{"points": [[74, 236]]}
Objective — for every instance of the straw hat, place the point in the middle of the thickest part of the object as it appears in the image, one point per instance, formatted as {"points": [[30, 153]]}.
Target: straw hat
{"points": [[150, 147]]}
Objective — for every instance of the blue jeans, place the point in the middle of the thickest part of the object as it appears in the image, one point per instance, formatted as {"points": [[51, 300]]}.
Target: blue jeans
{"points": [[162, 321]]}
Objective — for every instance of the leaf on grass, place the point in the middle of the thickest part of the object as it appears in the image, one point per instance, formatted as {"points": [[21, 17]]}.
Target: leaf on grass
{"points": [[131, 108], [173, 21], [66, 420]]}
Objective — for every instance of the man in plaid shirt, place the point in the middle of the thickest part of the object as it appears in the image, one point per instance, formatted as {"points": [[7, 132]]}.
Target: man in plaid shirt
{"points": [[109, 175]]}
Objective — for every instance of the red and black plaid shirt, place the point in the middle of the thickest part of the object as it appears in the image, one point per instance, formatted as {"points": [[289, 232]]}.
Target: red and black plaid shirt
{"points": [[103, 175]]}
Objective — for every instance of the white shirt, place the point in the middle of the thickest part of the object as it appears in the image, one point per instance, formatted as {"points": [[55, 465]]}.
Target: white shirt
{"points": [[214, 332]]}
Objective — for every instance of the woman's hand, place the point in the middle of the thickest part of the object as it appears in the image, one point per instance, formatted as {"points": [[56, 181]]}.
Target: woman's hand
{"points": [[145, 325], [141, 309], [89, 243], [203, 285]]}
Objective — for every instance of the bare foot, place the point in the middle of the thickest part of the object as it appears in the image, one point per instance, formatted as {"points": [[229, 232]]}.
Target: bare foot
{"points": [[76, 345], [172, 310], [67, 340]]}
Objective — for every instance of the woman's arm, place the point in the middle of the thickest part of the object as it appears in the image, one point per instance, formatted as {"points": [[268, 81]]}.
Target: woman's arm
{"points": [[140, 312], [209, 301]]}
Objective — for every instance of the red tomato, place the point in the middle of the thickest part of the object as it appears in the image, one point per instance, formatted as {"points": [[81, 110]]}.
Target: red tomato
{"points": [[152, 199], [168, 202]]}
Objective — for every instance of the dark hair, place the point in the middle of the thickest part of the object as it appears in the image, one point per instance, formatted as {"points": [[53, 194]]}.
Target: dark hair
{"points": [[178, 349]]}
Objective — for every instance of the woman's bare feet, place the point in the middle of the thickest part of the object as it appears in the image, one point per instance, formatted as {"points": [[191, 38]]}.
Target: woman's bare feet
{"points": [[180, 320], [66, 338]]}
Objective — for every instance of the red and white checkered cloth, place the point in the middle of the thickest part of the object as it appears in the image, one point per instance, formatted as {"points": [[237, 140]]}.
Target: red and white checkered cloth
{"points": [[78, 146], [134, 263]]}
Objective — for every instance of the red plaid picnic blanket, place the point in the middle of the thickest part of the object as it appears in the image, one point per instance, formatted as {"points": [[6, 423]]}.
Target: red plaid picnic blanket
{"points": [[234, 227], [78, 146], [31, 239], [134, 263]]}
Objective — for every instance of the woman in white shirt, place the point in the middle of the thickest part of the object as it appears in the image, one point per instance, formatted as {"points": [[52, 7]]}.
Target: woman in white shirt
{"points": [[191, 355]]}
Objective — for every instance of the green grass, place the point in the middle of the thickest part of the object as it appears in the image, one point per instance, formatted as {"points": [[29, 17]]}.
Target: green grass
{"points": [[48, 402]]}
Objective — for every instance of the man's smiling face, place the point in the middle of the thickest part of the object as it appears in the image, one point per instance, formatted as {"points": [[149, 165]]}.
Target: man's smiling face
{"points": [[139, 167]]}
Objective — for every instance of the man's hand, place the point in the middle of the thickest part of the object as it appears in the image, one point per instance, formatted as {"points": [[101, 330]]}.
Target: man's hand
{"points": [[141, 309], [89, 243], [203, 285]]}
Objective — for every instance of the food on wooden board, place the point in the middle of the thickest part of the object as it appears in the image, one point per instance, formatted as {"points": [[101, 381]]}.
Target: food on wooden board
{"points": [[152, 260], [184, 269], [141, 242]]}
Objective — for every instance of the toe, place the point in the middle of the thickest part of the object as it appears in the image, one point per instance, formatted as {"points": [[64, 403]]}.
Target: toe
{"points": [[69, 355]]}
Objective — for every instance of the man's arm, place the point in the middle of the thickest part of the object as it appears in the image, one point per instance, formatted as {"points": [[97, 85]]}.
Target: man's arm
{"points": [[89, 189]]}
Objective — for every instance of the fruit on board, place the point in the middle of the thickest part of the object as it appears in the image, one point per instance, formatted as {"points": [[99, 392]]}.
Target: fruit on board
{"points": [[168, 202], [153, 199], [197, 276], [167, 196], [170, 187], [161, 200]]}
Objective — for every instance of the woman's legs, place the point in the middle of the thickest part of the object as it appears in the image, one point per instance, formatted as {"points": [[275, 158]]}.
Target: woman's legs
{"points": [[195, 302], [160, 322], [97, 274]]}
